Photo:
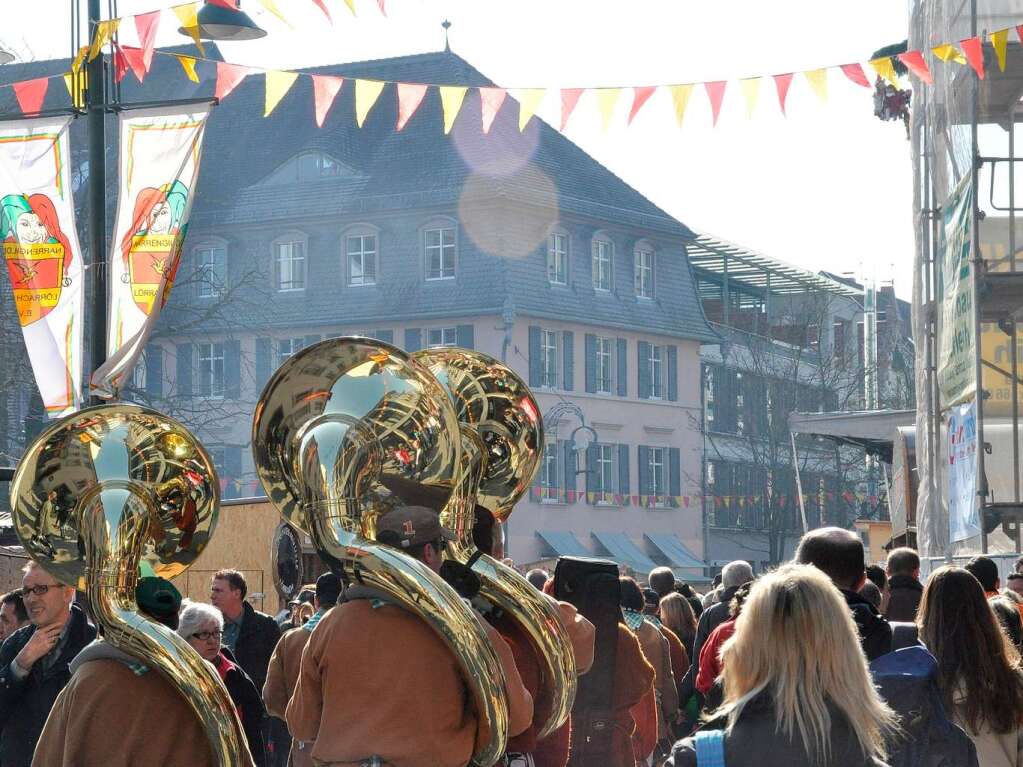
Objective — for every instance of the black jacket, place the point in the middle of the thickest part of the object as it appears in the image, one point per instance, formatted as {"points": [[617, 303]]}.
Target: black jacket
{"points": [[25, 704], [711, 618], [875, 632], [249, 703], [755, 742], [257, 639], [904, 593]]}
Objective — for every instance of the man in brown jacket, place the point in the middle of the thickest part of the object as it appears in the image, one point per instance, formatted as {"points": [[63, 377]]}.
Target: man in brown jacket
{"points": [[282, 673], [377, 681]]}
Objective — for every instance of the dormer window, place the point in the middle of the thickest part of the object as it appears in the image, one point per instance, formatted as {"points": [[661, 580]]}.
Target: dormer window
{"points": [[308, 166]]}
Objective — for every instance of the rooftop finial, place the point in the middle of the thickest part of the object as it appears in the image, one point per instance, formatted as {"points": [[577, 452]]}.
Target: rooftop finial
{"points": [[447, 44]]}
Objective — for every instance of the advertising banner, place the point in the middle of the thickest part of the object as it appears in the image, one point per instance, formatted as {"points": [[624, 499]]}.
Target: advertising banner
{"points": [[159, 165], [963, 514], [956, 337], [43, 256]]}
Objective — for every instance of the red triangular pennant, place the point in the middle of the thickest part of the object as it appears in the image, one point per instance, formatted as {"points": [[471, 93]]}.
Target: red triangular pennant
{"points": [[31, 94], [146, 24], [782, 83], [383, 6], [716, 94], [120, 64], [855, 73], [973, 49], [1019, 32], [914, 61], [640, 96], [410, 96], [325, 90], [320, 4], [491, 100], [569, 98], [136, 59], [228, 77]]}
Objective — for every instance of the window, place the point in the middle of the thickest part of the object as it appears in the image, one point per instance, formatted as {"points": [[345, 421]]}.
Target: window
{"points": [[603, 251], [606, 480], [211, 370], [604, 365], [442, 337], [361, 255], [440, 253], [212, 270], [290, 261], [138, 374], [549, 359], [550, 486], [309, 166], [557, 258], [288, 347], [644, 272], [708, 397], [219, 457], [655, 471], [658, 371]]}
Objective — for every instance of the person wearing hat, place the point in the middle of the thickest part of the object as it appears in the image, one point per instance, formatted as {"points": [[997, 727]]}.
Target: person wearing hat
{"points": [[376, 681], [282, 673], [146, 720]]}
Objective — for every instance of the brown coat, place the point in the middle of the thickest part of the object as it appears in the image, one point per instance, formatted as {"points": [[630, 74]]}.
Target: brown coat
{"points": [[679, 657], [376, 680], [108, 716], [658, 654], [281, 678]]}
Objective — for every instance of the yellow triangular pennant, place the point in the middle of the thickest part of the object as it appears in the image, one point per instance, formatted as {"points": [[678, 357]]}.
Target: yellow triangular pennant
{"points": [[886, 69], [999, 41], [188, 64], [529, 99], [750, 88], [948, 52], [277, 84], [451, 97], [82, 78], [104, 31], [818, 79], [366, 94], [188, 15], [271, 6], [351, 6], [79, 58], [606, 100], [680, 98]]}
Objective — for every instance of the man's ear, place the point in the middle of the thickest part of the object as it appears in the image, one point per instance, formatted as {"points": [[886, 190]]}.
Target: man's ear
{"points": [[916, 574]]}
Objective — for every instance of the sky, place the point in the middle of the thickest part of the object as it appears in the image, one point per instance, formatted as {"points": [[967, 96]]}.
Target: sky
{"points": [[827, 187]]}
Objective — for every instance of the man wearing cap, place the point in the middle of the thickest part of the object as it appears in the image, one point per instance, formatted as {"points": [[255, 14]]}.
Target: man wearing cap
{"points": [[377, 681], [118, 712], [282, 674]]}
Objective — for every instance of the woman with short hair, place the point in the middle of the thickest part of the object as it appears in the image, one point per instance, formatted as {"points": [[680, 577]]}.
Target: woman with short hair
{"points": [[202, 626], [979, 671], [797, 692]]}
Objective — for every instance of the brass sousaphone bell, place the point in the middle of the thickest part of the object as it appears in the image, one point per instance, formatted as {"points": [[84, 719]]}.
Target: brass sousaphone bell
{"points": [[108, 488], [334, 420]]}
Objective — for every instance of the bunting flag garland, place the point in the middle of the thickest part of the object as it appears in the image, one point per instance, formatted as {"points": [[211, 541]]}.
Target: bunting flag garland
{"points": [[639, 97], [680, 99], [606, 100], [569, 100], [410, 96], [750, 89], [120, 63], [76, 86], [277, 85], [914, 61], [188, 15], [31, 94], [271, 6], [382, 4], [366, 94], [1000, 42], [325, 90], [104, 32], [351, 6], [818, 79], [491, 100], [322, 6], [228, 77], [76, 64], [451, 98], [146, 24], [855, 74], [974, 52], [135, 58], [782, 83], [947, 52], [886, 69], [529, 99], [188, 65], [716, 94]]}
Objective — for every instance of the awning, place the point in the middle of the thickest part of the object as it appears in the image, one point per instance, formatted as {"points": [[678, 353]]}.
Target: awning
{"points": [[674, 550], [625, 552], [873, 430], [564, 543]]}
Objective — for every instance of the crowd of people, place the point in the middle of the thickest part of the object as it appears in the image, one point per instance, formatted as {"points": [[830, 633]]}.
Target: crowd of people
{"points": [[822, 661]]}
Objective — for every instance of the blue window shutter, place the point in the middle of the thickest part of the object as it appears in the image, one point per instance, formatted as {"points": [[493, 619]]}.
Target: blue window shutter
{"points": [[387, 336], [643, 360], [535, 363], [413, 340], [591, 468], [232, 470], [233, 369], [568, 350], [567, 458], [154, 372], [623, 469], [591, 363], [623, 368], [672, 373], [674, 474], [185, 363], [264, 363], [643, 456], [310, 340], [464, 336]]}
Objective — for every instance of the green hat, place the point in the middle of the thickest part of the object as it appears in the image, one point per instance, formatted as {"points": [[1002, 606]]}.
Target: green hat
{"points": [[157, 597]]}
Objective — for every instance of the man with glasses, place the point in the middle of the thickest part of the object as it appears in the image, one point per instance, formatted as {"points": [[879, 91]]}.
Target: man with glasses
{"points": [[34, 662]]}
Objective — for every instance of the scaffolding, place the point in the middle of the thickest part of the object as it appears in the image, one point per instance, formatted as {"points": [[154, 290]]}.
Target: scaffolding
{"points": [[964, 149]]}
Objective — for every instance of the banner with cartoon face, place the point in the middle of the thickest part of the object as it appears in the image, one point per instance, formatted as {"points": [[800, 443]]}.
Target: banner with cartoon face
{"points": [[42, 254], [159, 165]]}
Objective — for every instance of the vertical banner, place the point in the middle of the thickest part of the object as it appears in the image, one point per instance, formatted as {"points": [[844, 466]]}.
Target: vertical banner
{"points": [[956, 341], [159, 165], [44, 259], [963, 515]]}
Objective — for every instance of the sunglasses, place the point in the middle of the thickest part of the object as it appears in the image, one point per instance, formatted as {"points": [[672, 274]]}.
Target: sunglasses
{"points": [[205, 636], [38, 591]]}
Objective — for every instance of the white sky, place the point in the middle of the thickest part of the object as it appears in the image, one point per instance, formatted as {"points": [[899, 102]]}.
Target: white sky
{"points": [[828, 187]]}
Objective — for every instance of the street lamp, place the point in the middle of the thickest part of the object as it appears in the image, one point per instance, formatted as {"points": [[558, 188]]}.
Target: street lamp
{"points": [[218, 22], [6, 57], [581, 437]]}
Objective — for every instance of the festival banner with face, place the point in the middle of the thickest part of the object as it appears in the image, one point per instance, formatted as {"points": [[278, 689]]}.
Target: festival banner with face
{"points": [[159, 166], [43, 256]]}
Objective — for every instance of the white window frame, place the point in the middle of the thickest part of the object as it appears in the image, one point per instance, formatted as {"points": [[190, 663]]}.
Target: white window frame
{"points": [[361, 234], [442, 249], [212, 275], [218, 457], [605, 350], [558, 245], [284, 251], [657, 370], [549, 358], [607, 462], [644, 272], [209, 354], [550, 492], [602, 253], [657, 462], [139, 373], [442, 336], [294, 346]]}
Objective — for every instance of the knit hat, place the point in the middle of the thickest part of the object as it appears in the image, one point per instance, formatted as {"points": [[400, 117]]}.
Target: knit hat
{"points": [[157, 597]]}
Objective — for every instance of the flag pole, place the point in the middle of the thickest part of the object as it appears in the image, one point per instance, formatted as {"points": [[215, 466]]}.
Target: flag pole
{"points": [[97, 108]]}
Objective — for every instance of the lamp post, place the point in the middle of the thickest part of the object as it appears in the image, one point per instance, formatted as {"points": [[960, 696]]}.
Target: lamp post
{"points": [[578, 435]]}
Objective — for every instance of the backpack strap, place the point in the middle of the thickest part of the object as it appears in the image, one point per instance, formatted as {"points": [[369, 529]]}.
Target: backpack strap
{"points": [[710, 748]]}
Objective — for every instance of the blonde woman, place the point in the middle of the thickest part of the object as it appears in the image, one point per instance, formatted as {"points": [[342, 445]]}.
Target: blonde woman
{"points": [[797, 692], [677, 614]]}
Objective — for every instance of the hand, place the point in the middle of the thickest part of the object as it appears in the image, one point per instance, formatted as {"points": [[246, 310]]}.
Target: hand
{"points": [[42, 641]]}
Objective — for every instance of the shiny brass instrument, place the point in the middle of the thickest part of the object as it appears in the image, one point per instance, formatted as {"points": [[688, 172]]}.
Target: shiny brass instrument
{"points": [[100, 492], [331, 423], [501, 455]]}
